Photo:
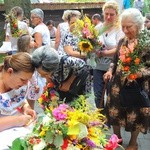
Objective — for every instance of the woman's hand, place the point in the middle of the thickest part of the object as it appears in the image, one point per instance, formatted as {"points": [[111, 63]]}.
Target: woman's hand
{"points": [[107, 76], [31, 112], [24, 120]]}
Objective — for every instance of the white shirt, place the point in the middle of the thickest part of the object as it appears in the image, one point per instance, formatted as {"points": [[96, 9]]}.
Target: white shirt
{"points": [[43, 30]]}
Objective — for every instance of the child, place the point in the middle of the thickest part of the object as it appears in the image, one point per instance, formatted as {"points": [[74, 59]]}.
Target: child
{"points": [[36, 84]]}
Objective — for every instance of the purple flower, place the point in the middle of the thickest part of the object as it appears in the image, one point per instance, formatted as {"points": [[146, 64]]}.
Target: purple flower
{"points": [[90, 143]]}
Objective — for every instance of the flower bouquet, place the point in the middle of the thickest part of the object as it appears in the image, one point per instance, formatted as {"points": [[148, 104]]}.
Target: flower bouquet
{"points": [[130, 58], [87, 34], [15, 31], [67, 127]]}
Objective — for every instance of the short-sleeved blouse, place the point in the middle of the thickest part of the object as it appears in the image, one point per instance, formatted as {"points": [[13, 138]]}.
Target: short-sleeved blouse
{"points": [[10, 101]]}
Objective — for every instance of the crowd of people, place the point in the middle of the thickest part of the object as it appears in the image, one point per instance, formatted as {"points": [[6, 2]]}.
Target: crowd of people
{"points": [[37, 61]]}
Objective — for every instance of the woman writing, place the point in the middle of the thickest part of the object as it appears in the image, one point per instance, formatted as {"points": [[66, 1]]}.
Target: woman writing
{"points": [[132, 109], [14, 74]]}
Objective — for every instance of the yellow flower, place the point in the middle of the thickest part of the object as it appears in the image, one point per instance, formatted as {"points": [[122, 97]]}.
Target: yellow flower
{"points": [[40, 100], [85, 46], [42, 133]]}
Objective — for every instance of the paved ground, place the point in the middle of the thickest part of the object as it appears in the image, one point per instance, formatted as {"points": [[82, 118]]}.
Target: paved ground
{"points": [[143, 139]]}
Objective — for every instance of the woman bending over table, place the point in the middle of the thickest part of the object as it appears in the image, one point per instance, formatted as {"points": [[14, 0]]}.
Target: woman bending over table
{"points": [[15, 72]]}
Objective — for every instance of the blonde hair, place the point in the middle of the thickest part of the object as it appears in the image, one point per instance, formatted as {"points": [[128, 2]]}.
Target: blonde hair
{"points": [[113, 5], [69, 12], [19, 62], [17, 11]]}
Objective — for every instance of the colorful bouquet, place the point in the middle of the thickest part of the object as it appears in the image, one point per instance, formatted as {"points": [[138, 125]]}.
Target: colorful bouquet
{"points": [[15, 31], [87, 34], [67, 127], [130, 58]]}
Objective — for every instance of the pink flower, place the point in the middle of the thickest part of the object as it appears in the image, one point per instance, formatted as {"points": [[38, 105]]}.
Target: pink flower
{"points": [[60, 113], [122, 58], [86, 32], [113, 143]]}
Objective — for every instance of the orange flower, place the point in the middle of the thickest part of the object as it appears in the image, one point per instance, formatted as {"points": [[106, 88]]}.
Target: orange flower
{"points": [[73, 137], [132, 76], [126, 68], [137, 61], [128, 60]]}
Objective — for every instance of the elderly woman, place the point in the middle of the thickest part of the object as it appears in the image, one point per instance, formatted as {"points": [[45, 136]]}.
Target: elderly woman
{"points": [[134, 108], [109, 38], [14, 74], [40, 32], [63, 28], [46, 61]]}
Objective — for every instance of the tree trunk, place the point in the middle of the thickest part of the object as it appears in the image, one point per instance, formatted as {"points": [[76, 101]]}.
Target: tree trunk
{"points": [[24, 4]]}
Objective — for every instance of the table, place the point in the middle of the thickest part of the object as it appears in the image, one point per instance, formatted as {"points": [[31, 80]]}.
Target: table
{"points": [[9, 135]]}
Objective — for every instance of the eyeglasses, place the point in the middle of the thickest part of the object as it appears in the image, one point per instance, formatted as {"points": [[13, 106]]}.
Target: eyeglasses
{"points": [[33, 17], [147, 21]]}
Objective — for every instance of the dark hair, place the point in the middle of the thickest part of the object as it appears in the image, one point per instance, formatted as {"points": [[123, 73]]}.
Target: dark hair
{"points": [[19, 62], [49, 22], [97, 16], [23, 43]]}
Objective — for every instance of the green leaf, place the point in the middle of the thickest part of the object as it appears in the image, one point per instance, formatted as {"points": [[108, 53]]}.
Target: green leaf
{"points": [[58, 141], [83, 131], [74, 130], [19, 144], [49, 137]]}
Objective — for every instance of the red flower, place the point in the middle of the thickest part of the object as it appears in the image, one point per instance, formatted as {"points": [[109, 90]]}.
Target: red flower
{"points": [[44, 97], [15, 25], [50, 85], [113, 143], [65, 144]]}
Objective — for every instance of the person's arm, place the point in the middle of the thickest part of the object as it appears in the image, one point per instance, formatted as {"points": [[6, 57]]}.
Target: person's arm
{"points": [[57, 40], [7, 33], [37, 40], [106, 53], [14, 121], [69, 50]]}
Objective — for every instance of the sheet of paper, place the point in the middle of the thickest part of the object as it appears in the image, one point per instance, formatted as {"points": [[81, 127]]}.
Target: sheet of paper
{"points": [[9, 135]]}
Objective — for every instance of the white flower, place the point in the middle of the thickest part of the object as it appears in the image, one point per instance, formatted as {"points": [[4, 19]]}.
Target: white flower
{"points": [[40, 146]]}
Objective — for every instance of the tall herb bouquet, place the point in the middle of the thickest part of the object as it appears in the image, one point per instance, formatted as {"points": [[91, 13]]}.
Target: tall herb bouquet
{"points": [[15, 31]]}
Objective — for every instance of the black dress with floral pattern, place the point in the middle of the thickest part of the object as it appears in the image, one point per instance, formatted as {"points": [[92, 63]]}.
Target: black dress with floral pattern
{"points": [[132, 118]]}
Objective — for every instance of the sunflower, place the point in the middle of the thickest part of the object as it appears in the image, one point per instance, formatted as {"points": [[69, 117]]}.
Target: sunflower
{"points": [[85, 46]]}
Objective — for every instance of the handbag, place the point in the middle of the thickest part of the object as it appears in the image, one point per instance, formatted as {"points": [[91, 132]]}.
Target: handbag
{"points": [[134, 96]]}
